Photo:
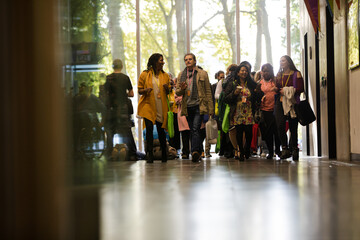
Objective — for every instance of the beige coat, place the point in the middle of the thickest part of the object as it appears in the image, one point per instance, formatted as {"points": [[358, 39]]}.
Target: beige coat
{"points": [[204, 92]]}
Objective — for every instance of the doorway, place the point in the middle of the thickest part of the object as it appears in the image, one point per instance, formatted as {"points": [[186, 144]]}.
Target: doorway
{"points": [[330, 83]]}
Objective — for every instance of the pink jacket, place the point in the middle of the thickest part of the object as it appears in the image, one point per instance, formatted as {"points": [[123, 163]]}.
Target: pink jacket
{"points": [[182, 122]]}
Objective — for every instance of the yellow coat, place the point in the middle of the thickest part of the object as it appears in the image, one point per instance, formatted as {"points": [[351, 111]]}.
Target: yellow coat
{"points": [[146, 106]]}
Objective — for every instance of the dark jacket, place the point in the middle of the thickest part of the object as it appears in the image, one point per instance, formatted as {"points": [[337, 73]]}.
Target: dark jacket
{"points": [[232, 99]]}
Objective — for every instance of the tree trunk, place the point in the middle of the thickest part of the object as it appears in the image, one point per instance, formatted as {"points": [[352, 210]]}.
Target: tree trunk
{"points": [[169, 37], [180, 29], [229, 18], [258, 39], [115, 31], [266, 32]]}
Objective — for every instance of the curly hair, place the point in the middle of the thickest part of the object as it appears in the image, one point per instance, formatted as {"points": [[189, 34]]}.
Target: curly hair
{"points": [[153, 59]]}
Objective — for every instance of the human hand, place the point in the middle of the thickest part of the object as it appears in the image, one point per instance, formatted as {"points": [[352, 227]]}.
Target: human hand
{"points": [[183, 85], [166, 87], [237, 91], [148, 90]]}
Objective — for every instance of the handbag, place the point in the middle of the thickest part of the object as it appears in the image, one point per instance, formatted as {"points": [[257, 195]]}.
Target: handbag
{"points": [[170, 120], [304, 112], [218, 142], [211, 131], [226, 120]]}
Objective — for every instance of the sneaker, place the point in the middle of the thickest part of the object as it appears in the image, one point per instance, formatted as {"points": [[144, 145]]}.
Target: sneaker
{"points": [[285, 153], [269, 156], [195, 157], [208, 155]]}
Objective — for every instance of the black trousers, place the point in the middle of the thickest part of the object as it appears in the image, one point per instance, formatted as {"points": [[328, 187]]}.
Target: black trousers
{"points": [[175, 141], [281, 126], [269, 131], [185, 137], [240, 129], [150, 138]]}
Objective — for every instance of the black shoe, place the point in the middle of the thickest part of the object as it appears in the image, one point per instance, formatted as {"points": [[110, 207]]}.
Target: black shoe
{"points": [[241, 158], [195, 157], [285, 153], [149, 158], [185, 156], [269, 156], [295, 154], [229, 155]]}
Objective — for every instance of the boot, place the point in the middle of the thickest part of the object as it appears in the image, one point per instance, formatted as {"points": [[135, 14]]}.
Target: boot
{"points": [[285, 153], [164, 156], [150, 157], [295, 154]]}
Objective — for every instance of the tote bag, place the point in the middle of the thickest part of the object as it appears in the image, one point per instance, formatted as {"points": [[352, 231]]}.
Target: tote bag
{"points": [[304, 112], [226, 120], [211, 131], [170, 120]]}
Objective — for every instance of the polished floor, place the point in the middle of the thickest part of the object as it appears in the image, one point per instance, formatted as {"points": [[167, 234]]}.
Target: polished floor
{"points": [[218, 198]]}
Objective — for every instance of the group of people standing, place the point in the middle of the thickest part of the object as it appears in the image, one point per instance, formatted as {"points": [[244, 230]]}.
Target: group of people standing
{"points": [[236, 98]]}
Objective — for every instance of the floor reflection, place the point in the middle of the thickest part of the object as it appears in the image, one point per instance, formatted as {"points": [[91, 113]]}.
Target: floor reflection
{"points": [[222, 199]]}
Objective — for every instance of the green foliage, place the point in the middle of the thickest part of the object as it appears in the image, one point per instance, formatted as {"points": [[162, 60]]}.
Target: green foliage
{"points": [[353, 35], [88, 25], [294, 31]]}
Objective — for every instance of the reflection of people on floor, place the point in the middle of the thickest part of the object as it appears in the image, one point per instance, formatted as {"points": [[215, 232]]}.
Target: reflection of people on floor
{"points": [[118, 89], [86, 106]]}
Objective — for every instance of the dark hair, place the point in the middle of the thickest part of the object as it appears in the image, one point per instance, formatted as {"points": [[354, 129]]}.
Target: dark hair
{"points": [[268, 65], [153, 59], [193, 55], [291, 64], [216, 75], [237, 70], [117, 64], [246, 63]]}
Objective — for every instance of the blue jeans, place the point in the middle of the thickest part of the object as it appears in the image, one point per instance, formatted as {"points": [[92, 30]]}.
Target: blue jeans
{"points": [[194, 120]]}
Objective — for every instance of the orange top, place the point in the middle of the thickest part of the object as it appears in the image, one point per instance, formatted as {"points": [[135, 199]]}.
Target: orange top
{"points": [[146, 106]]}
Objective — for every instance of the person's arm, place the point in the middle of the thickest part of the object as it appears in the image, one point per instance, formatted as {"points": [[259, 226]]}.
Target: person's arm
{"points": [[166, 86], [230, 94], [129, 88], [141, 84], [209, 95], [180, 86], [299, 83], [131, 93]]}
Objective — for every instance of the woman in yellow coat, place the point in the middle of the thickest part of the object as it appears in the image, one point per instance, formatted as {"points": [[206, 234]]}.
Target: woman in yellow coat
{"points": [[153, 86]]}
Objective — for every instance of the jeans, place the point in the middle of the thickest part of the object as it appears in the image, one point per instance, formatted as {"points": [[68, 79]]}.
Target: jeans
{"points": [[194, 120]]}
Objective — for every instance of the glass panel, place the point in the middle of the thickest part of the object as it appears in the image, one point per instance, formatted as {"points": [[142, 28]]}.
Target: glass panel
{"points": [[94, 32], [353, 34], [213, 35], [158, 21], [262, 40]]}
